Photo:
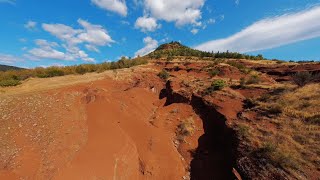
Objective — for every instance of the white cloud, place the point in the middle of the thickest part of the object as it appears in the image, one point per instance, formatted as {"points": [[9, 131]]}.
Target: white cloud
{"points": [[270, 33], [92, 48], [237, 2], [150, 45], [9, 59], [211, 21], [8, 1], [45, 50], [181, 12], [194, 31], [90, 35], [52, 65], [208, 22], [31, 25], [63, 32], [117, 6], [125, 22], [146, 24], [94, 34]]}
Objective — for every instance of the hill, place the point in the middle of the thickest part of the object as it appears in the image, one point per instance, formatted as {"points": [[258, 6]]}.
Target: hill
{"points": [[7, 68], [175, 48]]}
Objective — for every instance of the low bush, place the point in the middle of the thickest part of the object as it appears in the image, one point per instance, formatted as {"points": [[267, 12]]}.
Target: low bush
{"points": [[185, 128], [164, 74], [275, 109], [214, 72], [215, 86], [253, 79], [302, 78], [218, 84], [9, 82]]}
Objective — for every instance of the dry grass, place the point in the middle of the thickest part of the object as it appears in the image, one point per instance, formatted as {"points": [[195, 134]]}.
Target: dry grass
{"points": [[185, 128], [39, 84], [288, 131], [304, 103]]}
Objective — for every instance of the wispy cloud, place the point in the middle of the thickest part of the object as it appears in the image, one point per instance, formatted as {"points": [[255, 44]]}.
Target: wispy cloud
{"points": [[8, 1], [117, 6], [9, 59], [270, 33], [150, 45], [31, 25]]}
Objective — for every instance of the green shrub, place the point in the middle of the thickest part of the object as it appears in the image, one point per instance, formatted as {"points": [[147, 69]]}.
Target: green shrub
{"points": [[215, 86], [9, 82], [164, 74]]}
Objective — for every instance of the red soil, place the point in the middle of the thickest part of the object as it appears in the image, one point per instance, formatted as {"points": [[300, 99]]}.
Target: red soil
{"points": [[118, 128]]}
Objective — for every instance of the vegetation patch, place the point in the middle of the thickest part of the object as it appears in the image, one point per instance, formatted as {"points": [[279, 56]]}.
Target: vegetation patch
{"points": [[253, 79], [177, 49], [185, 128], [14, 77], [286, 132], [240, 66], [303, 78], [164, 74], [214, 72], [216, 85], [9, 82]]}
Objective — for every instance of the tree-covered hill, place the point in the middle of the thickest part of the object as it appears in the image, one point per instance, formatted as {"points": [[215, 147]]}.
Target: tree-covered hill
{"points": [[7, 68], [177, 49]]}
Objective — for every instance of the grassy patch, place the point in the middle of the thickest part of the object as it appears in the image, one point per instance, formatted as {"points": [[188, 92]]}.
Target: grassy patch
{"points": [[286, 130], [13, 77], [9, 82], [214, 72], [243, 130], [215, 86], [240, 66]]}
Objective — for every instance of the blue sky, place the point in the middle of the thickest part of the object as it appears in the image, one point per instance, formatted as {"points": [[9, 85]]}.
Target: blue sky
{"points": [[43, 33]]}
